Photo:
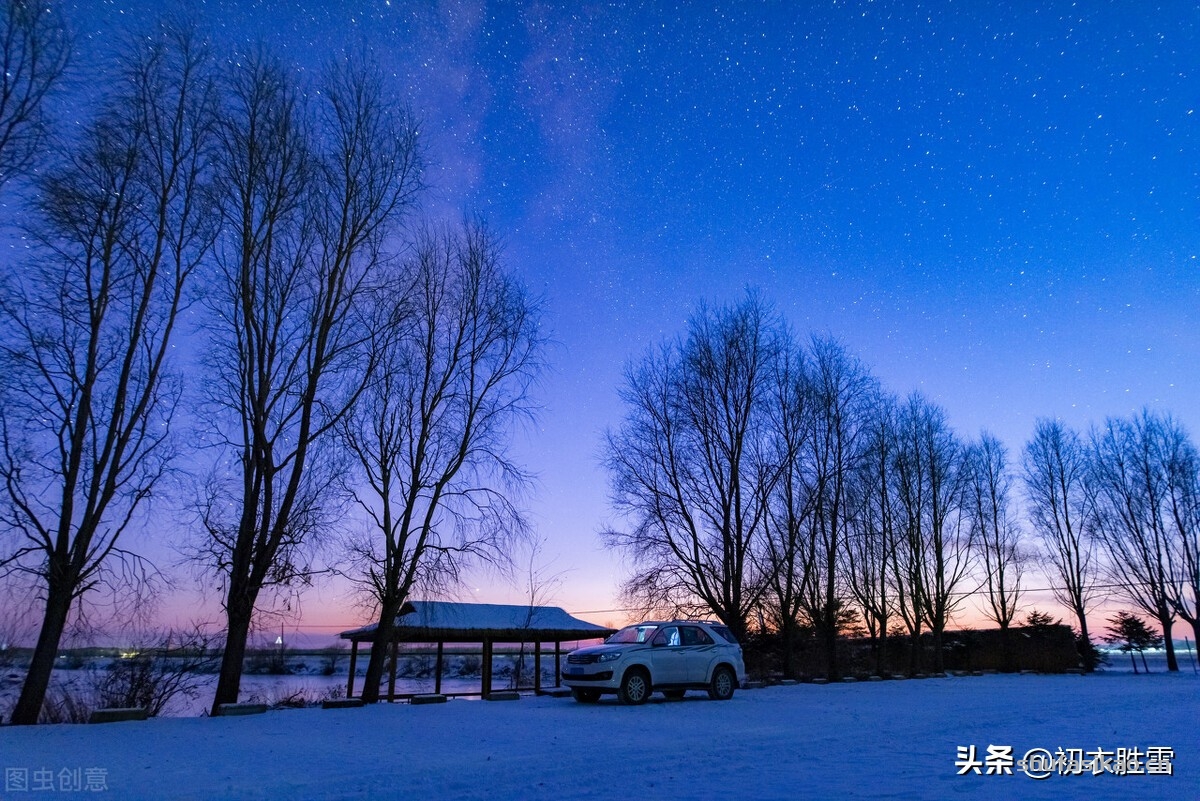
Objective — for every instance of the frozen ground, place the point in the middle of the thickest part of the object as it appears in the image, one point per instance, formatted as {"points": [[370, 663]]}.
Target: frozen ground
{"points": [[894, 740]]}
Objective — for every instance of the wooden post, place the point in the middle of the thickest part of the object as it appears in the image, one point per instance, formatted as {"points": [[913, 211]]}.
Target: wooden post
{"points": [[353, 660], [486, 688], [392, 676], [558, 663], [437, 676], [537, 668]]}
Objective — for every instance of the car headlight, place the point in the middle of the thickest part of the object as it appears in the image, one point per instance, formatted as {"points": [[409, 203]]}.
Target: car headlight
{"points": [[609, 656]]}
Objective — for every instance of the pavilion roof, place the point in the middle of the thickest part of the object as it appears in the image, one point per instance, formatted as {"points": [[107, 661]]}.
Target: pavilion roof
{"points": [[447, 621]]}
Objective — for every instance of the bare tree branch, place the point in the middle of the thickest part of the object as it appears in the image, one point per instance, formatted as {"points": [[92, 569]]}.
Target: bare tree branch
{"points": [[1129, 479], [310, 196], [691, 465], [994, 529], [1061, 510], [86, 416], [34, 49], [456, 356]]}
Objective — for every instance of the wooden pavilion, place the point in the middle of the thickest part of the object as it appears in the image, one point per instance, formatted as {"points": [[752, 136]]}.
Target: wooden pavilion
{"points": [[441, 622]]}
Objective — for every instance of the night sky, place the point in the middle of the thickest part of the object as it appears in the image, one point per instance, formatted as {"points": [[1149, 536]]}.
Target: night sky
{"points": [[994, 203]]}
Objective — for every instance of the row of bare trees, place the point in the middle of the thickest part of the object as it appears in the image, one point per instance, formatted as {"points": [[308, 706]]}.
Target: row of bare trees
{"points": [[344, 353], [776, 484]]}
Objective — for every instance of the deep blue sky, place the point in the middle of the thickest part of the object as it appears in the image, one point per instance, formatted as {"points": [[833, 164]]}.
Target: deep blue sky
{"points": [[995, 203]]}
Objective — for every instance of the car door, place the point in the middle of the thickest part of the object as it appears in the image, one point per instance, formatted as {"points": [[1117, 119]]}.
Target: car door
{"points": [[698, 652], [668, 661]]}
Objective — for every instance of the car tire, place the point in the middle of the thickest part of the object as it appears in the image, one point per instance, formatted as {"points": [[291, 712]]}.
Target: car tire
{"points": [[723, 684], [635, 687], [674, 695], [585, 696]]}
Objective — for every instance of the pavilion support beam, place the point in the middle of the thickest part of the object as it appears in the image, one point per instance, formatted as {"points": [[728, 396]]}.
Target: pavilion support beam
{"points": [[537, 668], [437, 669], [486, 689], [353, 664], [392, 675], [558, 663]]}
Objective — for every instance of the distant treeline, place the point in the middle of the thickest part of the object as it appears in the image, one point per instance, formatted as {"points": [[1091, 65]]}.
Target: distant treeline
{"points": [[772, 481]]}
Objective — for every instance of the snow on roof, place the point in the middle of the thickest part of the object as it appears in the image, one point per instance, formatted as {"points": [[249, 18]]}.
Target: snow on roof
{"points": [[447, 620]]}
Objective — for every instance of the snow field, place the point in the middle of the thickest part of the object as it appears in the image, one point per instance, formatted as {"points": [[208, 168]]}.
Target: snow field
{"points": [[893, 740]]}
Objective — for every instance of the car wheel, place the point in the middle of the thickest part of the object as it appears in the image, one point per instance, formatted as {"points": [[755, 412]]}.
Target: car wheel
{"points": [[722, 685], [585, 696], [635, 687], [674, 695]]}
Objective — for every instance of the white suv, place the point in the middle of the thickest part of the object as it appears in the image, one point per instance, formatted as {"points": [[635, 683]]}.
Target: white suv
{"points": [[672, 657]]}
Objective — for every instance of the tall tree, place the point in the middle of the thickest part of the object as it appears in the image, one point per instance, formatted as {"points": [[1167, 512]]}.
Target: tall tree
{"points": [[1129, 480], [121, 226], [841, 395], [994, 528], [34, 50], [787, 552], [456, 360], [310, 196], [1061, 512], [1181, 467], [871, 542], [935, 553], [691, 466]]}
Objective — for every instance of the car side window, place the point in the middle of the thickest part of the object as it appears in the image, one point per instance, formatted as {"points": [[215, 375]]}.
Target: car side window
{"points": [[667, 636], [725, 634], [692, 635]]}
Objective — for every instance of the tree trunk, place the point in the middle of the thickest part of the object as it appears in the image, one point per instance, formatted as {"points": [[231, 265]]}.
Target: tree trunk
{"points": [[830, 636], [1086, 641], [379, 650], [1083, 629], [881, 653], [239, 613], [787, 642], [915, 662], [37, 679], [1133, 661], [1172, 663]]}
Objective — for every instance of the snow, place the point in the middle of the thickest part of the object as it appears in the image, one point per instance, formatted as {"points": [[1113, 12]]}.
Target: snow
{"points": [[894, 739]]}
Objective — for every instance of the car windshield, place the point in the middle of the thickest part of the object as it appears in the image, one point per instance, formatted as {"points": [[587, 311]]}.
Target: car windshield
{"points": [[639, 633]]}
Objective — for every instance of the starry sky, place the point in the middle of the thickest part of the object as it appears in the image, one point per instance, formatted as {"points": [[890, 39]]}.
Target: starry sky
{"points": [[997, 204]]}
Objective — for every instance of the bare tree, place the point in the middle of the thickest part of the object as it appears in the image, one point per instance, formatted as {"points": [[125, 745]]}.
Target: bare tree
{"points": [[121, 226], [34, 49], [455, 365], [994, 529], [690, 465], [841, 395], [871, 542], [787, 552], [935, 553], [1061, 511], [1129, 480], [1181, 464], [310, 196]]}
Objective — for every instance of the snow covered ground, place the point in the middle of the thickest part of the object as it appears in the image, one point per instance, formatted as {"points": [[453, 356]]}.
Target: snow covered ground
{"points": [[895, 740]]}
